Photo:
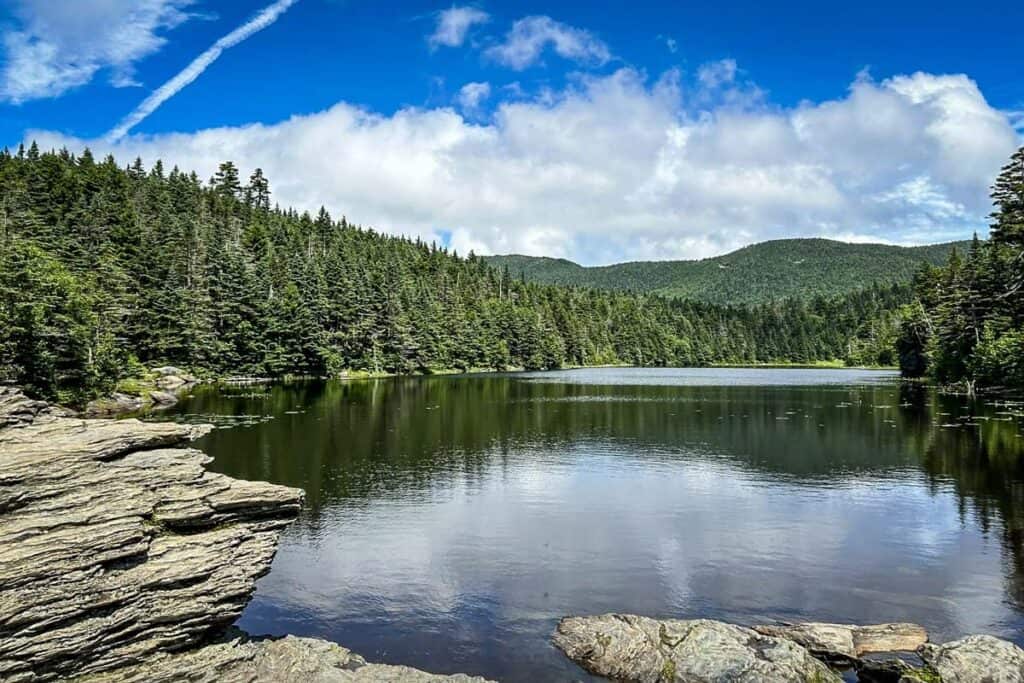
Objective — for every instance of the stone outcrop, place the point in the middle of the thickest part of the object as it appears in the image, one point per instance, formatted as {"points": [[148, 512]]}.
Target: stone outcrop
{"points": [[844, 643], [168, 371], [121, 557], [18, 410], [976, 659], [631, 648], [163, 398], [175, 382], [270, 659], [115, 546], [116, 404]]}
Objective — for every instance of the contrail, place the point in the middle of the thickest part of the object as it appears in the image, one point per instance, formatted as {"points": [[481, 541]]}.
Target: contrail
{"points": [[265, 18]]}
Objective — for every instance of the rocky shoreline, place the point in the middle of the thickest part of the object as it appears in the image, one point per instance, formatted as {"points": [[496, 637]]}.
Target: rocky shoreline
{"points": [[123, 559], [638, 649], [161, 388]]}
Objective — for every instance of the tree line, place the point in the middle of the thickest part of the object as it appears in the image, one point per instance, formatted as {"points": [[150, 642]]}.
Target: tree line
{"points": [[966, 327], [106, 270]]}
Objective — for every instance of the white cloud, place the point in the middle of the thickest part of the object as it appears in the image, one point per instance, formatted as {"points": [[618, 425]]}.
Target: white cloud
{"points": [[58, 47], [472, 95], [721, 86], [1016, 119], [716, 74], [264, 18], [529, 37], [618, 167], [453, 25]]}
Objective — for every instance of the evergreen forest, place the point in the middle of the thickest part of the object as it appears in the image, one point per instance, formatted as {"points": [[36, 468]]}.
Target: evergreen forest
{"points": [[106, 270], [799, 268], [966, 326]]}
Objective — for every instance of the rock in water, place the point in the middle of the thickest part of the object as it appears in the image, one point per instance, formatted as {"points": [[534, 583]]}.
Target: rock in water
{"points": [[845, 643], [117, 403], [168, 371], [632, 648], [306, 660], [115, 546], [163, 398], [976, 659], [174, 382]]}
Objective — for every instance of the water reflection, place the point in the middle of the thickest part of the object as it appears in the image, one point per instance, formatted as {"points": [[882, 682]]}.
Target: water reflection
{"points": [[452, 520]]}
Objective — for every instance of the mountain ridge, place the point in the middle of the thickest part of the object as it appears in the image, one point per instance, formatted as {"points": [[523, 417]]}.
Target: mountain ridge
{"points": [[758, 273]]}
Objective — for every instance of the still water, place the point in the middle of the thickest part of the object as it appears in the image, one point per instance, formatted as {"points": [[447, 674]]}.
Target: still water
{"points": [[451, 521]]}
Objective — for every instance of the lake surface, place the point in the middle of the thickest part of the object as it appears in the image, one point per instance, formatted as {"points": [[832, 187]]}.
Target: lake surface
{"points": [[452, 520]]}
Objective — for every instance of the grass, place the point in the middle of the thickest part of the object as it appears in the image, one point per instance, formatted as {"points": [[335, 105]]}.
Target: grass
{"points": [[135, 386]]}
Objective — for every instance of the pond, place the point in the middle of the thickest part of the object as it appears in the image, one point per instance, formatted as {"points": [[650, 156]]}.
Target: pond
{"points": [[451, 521]]}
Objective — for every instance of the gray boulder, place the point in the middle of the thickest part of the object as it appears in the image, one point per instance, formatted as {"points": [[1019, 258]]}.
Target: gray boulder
{"points": [[632, 648], [115, 404], [173, 382], [167, 371], [163, 398], [976, 659]]}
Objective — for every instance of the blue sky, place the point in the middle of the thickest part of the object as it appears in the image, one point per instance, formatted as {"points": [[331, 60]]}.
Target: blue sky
{"points": [[596, 131]]}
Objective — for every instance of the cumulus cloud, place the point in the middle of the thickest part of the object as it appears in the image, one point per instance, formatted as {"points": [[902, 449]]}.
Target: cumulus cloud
{"points": [[716, 74], [529, 37], [267, 16], [453, 25], [472, 95], [621, 166], [57, 48]]}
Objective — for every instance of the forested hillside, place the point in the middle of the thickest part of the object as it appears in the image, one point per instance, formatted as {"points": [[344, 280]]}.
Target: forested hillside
{"points": [[967, 327], [769, 271], [106, 269]]}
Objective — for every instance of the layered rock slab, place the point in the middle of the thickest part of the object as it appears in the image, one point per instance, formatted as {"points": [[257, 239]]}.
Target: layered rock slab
{"points": [[843, 643], [633, 648], [116, 545], [241, 659]]}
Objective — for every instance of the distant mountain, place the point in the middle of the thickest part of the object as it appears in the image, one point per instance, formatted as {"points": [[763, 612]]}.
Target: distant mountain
{"points": [[780, 269]]}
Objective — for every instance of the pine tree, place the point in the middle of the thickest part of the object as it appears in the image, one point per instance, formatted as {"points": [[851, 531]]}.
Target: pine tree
{"points": [[1008, 197]]}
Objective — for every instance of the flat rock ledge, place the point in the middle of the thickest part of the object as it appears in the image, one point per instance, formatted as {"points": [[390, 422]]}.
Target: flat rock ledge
{"points": [[845, 643], [642, 650], [123, 558], [241, 658]]}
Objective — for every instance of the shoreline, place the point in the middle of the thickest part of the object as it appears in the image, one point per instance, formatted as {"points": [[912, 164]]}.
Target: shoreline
{"points": [[140, 396], [122, 558], [115, 522]]}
